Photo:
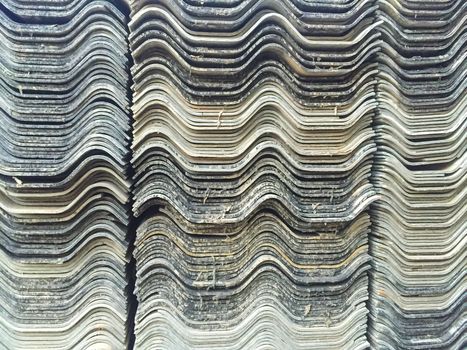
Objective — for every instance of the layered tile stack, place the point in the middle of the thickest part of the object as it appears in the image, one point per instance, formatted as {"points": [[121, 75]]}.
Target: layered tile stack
{"points": [[253, 147], [63, 168], [419, 284]]}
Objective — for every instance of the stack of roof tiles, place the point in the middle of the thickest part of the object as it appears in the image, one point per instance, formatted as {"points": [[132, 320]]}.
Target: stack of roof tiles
{"points": [[263, 131], [253, 147], [420, 228], [63, 194]]}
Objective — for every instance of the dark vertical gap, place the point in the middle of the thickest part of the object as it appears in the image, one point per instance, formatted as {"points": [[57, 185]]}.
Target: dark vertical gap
{"points": [[131, 267], [133, 223], [372, 181], [131, 278]]}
